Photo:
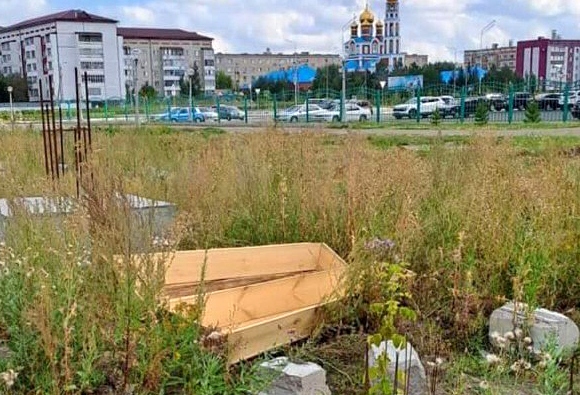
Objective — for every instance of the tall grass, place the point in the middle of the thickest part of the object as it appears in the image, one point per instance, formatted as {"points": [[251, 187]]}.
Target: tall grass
{"points": [[480, 222]]}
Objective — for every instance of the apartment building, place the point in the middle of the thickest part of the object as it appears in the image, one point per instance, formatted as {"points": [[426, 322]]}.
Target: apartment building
{"points": [[552, 60], [244, 68], [53, 45], [419, 60], [497, 56], [164, 56]]}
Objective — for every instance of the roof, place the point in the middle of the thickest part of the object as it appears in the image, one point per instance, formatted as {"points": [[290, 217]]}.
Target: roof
{"points": [[143, 33], [63, 16], [304, 74]]}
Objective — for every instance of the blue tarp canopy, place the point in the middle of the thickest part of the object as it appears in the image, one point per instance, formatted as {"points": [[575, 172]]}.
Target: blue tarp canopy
{"points": [[305, 75]]}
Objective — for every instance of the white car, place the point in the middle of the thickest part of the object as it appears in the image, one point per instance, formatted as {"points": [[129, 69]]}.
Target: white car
{"points": [[209, 113], [409, 109], [298, 113], [352, 113], [573, 98]]}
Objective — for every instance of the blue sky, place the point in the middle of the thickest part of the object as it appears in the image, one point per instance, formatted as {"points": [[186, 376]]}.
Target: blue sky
{"points": [[432, 27]]}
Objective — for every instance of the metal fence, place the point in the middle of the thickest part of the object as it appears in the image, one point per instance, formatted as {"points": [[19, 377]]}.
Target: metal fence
{"points": [[496, 102]]}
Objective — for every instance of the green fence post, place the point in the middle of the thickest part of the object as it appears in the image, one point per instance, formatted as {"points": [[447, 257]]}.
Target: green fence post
{"points": [[511, 104], [217, 106], [275, 107], [147, 109], [341, 109], [418, 93], [462, 108], [125, 110], [378, 104], [566, 108], [68, 110], [245, 109], [106, 111], [307, 107]]}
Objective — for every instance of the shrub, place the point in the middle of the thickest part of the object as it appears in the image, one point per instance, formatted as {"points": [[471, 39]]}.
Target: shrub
{"points": [[436, 118], [533, 114], [481, 114]]}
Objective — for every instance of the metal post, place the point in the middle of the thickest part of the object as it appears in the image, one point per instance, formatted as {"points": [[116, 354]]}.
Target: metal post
{"points": [[275, 107], [135, 53], [246, 108], [343, 93], [307, 107], [566, 108], [378, 104], [10, 89], [462, 109], [217, 104], [511, 104], [418, 93], [106, 110]]}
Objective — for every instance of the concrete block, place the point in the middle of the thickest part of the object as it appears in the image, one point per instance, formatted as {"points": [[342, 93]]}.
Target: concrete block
{"points": [[408, 361], [542, 324], [295, 379], [149, 217]]}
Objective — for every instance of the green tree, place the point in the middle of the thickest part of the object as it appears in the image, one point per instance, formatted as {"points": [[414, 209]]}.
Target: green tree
{"points": [[19, 86], [481, 114], [533, 114], [147, 91], [330, 74], [195, 81], [223, 81]]}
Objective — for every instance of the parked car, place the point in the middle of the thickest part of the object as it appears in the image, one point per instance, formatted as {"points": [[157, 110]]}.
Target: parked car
{"points": [[471, 104], [298, 113], [548, 101], [326, 104], [362, 103], [230, 113], [522, 100], [352, 113], [450, 107], [209, 113], [575, 111], [181, 114], [409, 109], [496, 101], [573, 99]]}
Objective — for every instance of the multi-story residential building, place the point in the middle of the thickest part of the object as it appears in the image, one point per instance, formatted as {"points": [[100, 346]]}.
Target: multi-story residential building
{"points": [[418, 60], [497, 56], [54, 45], [165, 56], [551, 60], [244, 68]]}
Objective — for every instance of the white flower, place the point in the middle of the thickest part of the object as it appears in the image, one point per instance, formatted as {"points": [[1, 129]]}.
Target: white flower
{"points": [[518, 333], [494, 335], [509, 335], [9, 377], [528, 340], [492, 359], [483, 385], [214, 336], [439, 361]]}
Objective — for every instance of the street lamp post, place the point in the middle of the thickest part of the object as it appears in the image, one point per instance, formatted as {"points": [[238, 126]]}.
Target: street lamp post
{"points": [[258, 97], [10, 90], [190, 73], [485, 29], [326, 68], [295, 61], [135, 52], [343, 73]]}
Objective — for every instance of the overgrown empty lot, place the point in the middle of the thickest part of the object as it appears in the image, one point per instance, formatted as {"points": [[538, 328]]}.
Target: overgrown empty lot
{"points": [[480, 220]]}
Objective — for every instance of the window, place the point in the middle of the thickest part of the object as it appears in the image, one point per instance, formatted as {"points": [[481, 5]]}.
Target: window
{"points": [[211, 63], [90, 38], [33, 92], [47, 38], [91, 52], [32, 80], [6, 47], [94, 91], [94, 79], [29, 41], [92, 65], [50, 65], [33, 66], [48, 52], [6, 58]]}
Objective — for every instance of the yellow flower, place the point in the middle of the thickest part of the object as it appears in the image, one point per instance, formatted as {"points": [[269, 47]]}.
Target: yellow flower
{"points": [[176, 356]]}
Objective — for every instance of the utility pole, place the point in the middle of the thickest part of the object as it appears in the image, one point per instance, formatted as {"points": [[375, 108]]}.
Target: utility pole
{"points": [[135, 52]]}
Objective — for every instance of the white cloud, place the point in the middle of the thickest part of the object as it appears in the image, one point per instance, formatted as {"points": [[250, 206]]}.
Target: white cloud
{"points": [[14, 11], [428, 26]]}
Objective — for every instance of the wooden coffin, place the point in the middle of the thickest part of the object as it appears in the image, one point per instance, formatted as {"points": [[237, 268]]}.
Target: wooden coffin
{"points": [[260, 297]]}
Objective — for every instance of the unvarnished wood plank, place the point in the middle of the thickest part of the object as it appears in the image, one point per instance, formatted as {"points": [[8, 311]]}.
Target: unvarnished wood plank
{"points": [[238, 305], [186, 266], [251, 340]]}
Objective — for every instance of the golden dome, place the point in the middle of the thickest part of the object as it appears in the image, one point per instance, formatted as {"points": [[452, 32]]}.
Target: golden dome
{"points": [[380, 23], [367, 17], [392, 1]]}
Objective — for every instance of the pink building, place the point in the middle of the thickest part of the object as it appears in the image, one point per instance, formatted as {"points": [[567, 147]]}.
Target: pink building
{"points": [[549, 59]]}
